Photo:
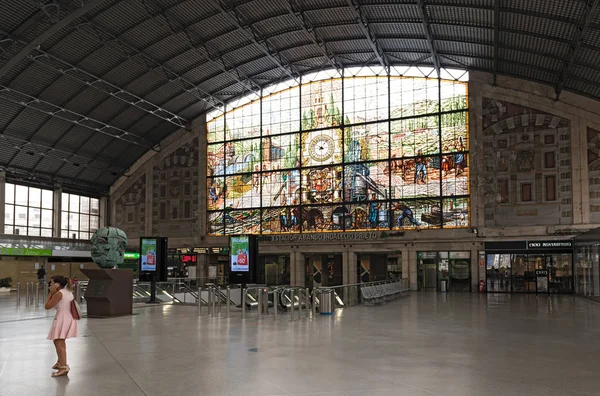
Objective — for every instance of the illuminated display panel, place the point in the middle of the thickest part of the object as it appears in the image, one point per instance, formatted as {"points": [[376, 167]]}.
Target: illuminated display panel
{"points": [[364, 152]]}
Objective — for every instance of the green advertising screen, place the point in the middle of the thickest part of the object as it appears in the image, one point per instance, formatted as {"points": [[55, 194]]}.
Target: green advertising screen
{"points": [[148, 254], [240, 254], [25, 252], [131, 256]]}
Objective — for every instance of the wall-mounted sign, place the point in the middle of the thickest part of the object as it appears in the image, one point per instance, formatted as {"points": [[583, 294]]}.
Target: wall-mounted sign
{"points": [[514, 246], [328, 236], [25, 252], [549, 244], [131, 256], [211, 250], [189, 258]]}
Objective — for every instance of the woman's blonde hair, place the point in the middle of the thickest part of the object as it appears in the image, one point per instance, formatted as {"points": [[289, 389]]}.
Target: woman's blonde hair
{"points": [[63, 281]]}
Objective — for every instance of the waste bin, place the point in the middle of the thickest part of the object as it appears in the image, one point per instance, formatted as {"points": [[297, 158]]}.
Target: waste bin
{"points": [[326, 303], [443, 286]]}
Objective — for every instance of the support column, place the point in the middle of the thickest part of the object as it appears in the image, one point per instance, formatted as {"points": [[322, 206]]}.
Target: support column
{"points": [[104, 216], [57, 213], [297, 277], [149, 199], [405, 266], [352, 268], [2, 199], [475, 270], [202, 183], [201, 269], [350, 263], [413, 271]]}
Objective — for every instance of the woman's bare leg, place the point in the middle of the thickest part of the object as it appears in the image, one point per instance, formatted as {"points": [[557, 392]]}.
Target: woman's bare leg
{"points": [[61, 350]]}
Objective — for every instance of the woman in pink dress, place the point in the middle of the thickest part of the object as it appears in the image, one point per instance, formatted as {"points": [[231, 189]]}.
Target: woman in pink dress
{"points": [[64, 325]]}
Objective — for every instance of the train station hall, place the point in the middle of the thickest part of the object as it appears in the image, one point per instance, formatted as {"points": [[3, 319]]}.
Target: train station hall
{"points": [[300, 197]]}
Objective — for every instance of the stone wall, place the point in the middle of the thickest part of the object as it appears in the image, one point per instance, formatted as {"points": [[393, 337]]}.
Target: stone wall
{"points": [[161, 194], [526, 169]]}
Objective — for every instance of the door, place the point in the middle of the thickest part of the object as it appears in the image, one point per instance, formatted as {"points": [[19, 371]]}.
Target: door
{"points": [[443, 280], [498, 273], [521, 277], [427, 270], [460, 275]]}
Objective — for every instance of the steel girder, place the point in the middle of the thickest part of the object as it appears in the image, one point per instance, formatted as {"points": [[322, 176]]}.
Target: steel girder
{"points": [[84, 8], [26, 146], [65, 68], [584, 25], [428, 35], [295, 9], [260, 42], [496, 37], [235, 73], [117, 44], [355, 6], [72, 117]]}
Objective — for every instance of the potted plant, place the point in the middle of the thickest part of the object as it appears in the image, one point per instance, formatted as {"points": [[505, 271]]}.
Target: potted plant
{"points": [[5, 285]]}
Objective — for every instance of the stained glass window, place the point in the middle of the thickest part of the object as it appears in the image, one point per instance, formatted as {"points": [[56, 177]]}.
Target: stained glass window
{"points": [[368, 151]]}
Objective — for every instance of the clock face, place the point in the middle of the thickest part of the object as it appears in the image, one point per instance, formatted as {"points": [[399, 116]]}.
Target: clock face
{"points": [[321, 148]]}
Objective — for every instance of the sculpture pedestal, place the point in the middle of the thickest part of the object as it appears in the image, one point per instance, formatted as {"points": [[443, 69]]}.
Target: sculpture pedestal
{"points": [[109, 292]]}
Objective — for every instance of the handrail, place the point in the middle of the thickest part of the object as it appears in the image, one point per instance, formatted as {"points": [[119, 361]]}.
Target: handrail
{"points": [[301, 290], [349, 298]]}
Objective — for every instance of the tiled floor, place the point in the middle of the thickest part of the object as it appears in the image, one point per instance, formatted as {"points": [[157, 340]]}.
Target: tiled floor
{"points": [[425, 344]]}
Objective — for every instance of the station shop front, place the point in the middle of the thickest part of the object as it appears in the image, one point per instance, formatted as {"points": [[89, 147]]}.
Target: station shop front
{"points": [[529, 267]]}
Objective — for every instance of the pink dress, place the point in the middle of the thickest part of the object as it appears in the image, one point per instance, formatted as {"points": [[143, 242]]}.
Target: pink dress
{"points": [[63, 325]]}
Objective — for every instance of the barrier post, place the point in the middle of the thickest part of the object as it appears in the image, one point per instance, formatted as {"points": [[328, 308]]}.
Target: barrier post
{"points": [[199, 300], [218, 297], [19, 294], [243, 303], [275, 303], [228, 299], [292, 298], [260, 302], [307, 302], [27, 296], [314, 302]]}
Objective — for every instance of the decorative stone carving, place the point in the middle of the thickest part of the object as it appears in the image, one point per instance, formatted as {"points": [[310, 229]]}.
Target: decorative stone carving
{"points": [[512, 155], [525, 161]]}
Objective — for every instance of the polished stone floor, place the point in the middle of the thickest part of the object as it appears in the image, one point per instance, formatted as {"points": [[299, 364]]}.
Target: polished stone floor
{"points": [[422, 345]]}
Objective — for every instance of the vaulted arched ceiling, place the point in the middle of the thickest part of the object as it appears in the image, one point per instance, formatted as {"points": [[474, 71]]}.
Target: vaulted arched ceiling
{"points": [[87, 87]]}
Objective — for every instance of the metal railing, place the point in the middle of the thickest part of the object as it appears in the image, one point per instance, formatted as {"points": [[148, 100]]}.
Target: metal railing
{"points": [[35, 294], [361, 293]]}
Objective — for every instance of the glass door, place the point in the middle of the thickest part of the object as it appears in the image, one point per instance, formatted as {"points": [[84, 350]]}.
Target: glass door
{"points": [[560, 272], [460, 271], [427, 270], [536, 274], [443, 272], [520, 271], [498, 273]]}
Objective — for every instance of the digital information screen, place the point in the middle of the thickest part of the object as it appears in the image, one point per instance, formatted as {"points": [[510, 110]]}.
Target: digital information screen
{"points": [[240, 254], [148, 254]]}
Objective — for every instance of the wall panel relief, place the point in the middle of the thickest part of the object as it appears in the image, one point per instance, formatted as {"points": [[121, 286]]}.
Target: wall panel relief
{"points": [[527, 166], [131, 209], [593, 160], [175, 192]]}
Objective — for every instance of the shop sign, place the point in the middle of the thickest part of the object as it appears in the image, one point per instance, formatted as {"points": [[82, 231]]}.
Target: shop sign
{"points": [[131, 256], [541, 272], [25, 252], [211, 250], [549, 244], [324, 237]]}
